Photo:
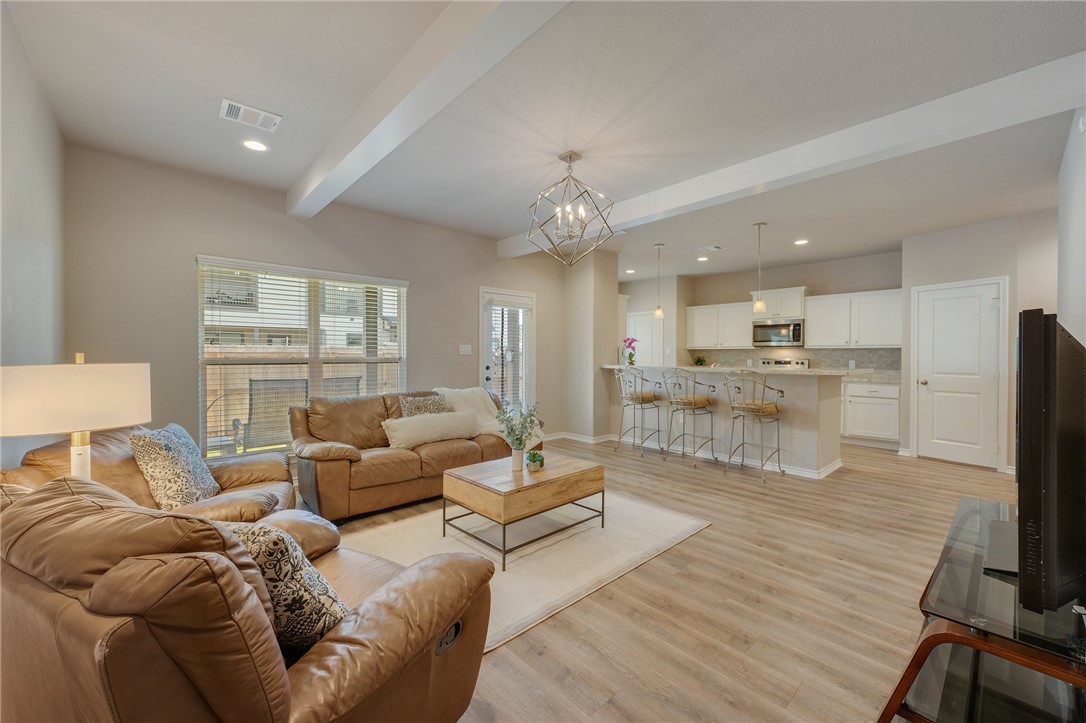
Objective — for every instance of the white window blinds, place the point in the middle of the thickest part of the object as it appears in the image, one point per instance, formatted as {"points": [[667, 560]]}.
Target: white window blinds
{"points": [[272, 336]]}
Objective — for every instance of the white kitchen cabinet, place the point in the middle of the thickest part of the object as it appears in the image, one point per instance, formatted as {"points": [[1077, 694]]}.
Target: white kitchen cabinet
{"points": [[736, 326], [721, 326], [872, 410], [828, 322], [780, 303], [865, 320], [876, 319], [702, 327]]}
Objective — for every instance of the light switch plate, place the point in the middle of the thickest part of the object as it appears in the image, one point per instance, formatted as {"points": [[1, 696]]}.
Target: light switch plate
{"points": [[750, 362], [851, 363], [465, 350]]}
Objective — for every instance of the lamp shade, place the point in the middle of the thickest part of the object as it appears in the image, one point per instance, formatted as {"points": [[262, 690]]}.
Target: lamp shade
{"points": [[62, 398]]}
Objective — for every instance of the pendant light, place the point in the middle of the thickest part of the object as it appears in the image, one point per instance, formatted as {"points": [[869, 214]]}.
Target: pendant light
{"points": [[569, 218], [659, 313], [759, 303]]}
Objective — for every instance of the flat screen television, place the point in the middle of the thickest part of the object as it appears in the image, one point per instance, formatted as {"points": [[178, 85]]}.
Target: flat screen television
{"points": [[1051, 463]]}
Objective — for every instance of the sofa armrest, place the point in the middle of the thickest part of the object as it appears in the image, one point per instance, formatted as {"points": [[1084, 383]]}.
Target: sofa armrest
{"points": [[236, 506], [319, 451], [26, 476], [398, 626], [315, 535], [232, 472]]}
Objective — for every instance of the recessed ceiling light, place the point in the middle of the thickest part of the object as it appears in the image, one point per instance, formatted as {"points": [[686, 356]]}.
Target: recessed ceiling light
{"points": [[254, 145], [801, 242], [703, 258], [629, 271]]}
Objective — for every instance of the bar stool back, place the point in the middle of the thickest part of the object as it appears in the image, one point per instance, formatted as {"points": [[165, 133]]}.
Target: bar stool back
{"points": [[747, 392], [692, 399], [637, 395]]}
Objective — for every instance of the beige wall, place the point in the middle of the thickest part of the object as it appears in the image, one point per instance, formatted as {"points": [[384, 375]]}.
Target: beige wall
{"points": [[591, 313], [1020, 248], [840, 276], [133, 230], [1072, 233], [31, 242]]}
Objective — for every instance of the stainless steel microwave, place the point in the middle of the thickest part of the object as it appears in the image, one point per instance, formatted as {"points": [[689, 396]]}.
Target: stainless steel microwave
{"points": [[779, 332]]}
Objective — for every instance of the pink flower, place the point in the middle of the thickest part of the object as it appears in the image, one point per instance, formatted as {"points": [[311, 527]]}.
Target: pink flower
{"points": [[628, 343]]}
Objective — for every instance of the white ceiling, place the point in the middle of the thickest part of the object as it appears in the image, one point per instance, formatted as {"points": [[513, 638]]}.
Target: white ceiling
{"points": [[653, 93]]}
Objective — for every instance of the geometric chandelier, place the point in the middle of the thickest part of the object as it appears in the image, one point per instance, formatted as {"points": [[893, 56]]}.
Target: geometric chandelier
{"points": [[569, 219]]}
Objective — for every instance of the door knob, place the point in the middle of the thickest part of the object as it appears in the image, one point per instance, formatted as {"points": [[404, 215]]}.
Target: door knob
{"points": [[924, 382], [488, 379]]}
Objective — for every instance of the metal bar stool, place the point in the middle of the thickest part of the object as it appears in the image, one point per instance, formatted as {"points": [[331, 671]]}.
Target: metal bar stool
{"points": [[747, 398], [637, 395], [693, 399]]}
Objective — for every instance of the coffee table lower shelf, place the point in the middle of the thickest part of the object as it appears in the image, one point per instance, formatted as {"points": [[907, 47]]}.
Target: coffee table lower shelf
{"points": [[448, 522]]}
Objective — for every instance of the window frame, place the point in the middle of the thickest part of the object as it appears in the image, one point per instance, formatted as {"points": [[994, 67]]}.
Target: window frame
{"points": [[522, 299]]}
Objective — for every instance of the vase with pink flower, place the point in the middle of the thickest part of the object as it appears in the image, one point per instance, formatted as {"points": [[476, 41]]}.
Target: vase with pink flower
{"points": [[628, 349]]}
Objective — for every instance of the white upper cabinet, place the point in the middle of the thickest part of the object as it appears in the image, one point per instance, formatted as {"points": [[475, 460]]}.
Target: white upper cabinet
{"points": [[876, 319], [736, 326], [781, 303], [870, 319], [721, 326], [828, 322]]}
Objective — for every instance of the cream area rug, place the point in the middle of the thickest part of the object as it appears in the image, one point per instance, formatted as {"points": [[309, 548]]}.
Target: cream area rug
{"points": [[546, 576]]}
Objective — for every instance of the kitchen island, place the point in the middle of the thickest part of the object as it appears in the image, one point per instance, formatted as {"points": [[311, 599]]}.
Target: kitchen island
{"points": [[810, 425]]}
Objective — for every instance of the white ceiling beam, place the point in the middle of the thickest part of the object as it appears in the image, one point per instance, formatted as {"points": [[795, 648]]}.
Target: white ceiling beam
{"points": [[465, 41], [1028, 95]]}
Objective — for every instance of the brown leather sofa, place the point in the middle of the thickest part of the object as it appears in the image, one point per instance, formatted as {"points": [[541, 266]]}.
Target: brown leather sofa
{"points": [[345, 466], [117, 612], [252, 486]]}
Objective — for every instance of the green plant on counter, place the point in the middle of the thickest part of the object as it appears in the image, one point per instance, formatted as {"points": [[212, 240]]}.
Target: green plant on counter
{"points": [[699, 361]]}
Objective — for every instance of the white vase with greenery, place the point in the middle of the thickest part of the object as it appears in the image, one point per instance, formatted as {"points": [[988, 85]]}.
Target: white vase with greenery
{"points": [[519, 428]]}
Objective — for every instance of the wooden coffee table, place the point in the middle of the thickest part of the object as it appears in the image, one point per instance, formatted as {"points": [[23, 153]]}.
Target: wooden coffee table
{"points": [[494, 491]]}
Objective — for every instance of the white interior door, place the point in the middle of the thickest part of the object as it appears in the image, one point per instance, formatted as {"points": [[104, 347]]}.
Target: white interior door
{"points": [[957, 382], [507, 346], [649, 332]]}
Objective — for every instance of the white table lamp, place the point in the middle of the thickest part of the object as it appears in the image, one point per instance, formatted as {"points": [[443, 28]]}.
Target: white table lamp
{"points": [[73, 398]]}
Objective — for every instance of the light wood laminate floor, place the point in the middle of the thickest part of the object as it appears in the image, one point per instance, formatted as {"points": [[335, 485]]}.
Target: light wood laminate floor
{"points": [[799, 602]]}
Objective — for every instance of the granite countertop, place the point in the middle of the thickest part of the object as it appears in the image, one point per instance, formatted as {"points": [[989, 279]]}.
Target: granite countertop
{"points": [[873, 376], [768, 372]]}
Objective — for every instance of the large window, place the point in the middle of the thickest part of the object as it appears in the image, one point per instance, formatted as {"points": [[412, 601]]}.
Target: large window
{"points": [[507, 345], [271, 336]]}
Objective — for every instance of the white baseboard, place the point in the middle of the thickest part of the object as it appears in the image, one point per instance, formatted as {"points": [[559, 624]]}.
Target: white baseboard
{"points": [[874, 443], [1009, 469], [903, 452], [580, 437]]}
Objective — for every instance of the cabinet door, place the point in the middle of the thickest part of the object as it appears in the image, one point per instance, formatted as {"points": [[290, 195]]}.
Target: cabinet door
{"points": [[789, 304], [876, 319], [827, 322], [736, 321], [872, 417], [702, 327]]}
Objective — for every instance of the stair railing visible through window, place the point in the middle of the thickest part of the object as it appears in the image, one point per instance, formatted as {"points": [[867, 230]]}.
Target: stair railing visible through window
{"points": [[271, 336]]}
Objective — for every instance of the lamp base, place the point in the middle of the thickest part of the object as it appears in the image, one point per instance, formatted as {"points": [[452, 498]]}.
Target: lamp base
{"points": [[81, 455]]}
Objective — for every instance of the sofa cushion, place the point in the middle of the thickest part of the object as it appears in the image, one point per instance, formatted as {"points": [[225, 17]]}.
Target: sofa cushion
{"points": [[247, 504], [356, 575], [414, 406], [173, 467], [492, 446], [9, 494], [351, 420], [71, 531], [393, 404], [476, 400], [439, 456], [410, 432], [384, 465], [304, 605]]}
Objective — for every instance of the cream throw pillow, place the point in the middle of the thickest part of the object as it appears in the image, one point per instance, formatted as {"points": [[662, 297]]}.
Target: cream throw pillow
{"points": [[477, 401], [410, 432]]}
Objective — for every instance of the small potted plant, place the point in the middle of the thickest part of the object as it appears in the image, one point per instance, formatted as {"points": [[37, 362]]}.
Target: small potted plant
{"points": [[535, 461], [518, 428], [699, 361], [629, 349]]}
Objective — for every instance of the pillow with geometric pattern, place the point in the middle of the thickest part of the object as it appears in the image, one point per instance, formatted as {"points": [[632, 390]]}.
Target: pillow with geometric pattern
{"points": [[305, 606], [413, 406], [173, 466]]}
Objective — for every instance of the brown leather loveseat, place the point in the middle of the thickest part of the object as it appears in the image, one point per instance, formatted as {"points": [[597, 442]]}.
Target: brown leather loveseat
{"points": [[252, 486], [345, 464], [115, 612]]}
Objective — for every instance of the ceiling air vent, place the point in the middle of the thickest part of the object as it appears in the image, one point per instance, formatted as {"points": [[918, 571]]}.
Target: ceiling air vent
{"points": [[233, 111], [714, 247]]}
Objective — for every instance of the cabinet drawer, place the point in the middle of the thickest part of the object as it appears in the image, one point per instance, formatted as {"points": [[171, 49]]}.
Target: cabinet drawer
{"points": [[882, 391]]}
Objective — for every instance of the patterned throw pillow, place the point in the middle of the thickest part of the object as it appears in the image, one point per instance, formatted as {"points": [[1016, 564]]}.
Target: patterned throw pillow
{"points": [[413, 406], [175, 471], [305, 606]]}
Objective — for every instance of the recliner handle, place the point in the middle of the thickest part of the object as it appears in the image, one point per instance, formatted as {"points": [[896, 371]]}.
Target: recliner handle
{"points": [[451, 636]]}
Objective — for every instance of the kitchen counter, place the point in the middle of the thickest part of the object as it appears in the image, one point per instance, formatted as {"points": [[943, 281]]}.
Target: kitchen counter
{"points": [[810, 426], [872, 376]]}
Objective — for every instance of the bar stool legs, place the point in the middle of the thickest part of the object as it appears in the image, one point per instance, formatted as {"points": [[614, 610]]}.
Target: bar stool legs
{"points": [[747, 393], [763, 460], [634, 409], [692, 399]]}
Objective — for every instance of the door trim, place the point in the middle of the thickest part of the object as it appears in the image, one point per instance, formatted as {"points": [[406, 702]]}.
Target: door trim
{"points": [[529, 342], [1001, 386], [651, 316]]}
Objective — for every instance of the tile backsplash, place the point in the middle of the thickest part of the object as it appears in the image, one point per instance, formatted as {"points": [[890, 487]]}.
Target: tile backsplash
{"points": [[820, 358]]}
